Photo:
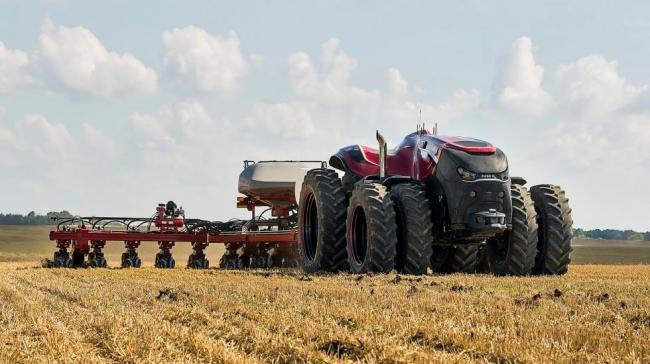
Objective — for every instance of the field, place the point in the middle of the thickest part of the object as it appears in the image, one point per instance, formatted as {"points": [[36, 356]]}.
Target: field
{"points": [[598, 313]]}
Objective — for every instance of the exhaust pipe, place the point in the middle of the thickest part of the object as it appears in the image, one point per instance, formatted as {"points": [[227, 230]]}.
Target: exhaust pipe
{"points": [[382, 155]]}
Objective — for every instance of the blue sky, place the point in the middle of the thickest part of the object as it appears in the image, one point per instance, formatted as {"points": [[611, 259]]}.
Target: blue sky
{"points": [[111, 107]]}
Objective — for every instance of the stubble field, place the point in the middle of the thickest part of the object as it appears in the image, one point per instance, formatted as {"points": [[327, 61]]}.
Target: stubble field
{"points": [[598, 313]]}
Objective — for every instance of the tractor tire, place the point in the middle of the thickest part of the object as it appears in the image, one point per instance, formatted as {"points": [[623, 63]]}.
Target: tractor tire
{"points": [[555, 229], [165, 261], [62, 260], [321, 221], [78, 260], [274, 260], [126, 261], [130, 261], [513, 252], [461, 258], [414, 228], [197, 261], [371, 230]]}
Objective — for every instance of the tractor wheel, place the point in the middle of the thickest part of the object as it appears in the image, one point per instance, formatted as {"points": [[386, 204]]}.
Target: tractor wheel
{"points": [[100, 262], [482, 265], [513, 252], [78, 259], [62, 260], [261, 261], [126, 260], [461, 258], [414, 228], [243, 261], [274, 260], [555, 229], [321, 221], [165, 261], [371, 230]]}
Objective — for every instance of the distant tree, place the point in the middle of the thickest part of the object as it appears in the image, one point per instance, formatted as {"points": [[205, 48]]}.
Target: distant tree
{"points": [[636, 236], [32, 218]]}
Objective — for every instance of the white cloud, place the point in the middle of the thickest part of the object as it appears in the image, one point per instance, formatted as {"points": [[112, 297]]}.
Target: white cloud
{"points": [[291, 120], [396, 83], [154, 128], [6, 136], [402, 110], [329, 88], [256, 59], [195, 121], [592, 86], [13, 69], [38, 137], [205, 62], [323, 98], [99, 141], [520, 90], [79, 60]]}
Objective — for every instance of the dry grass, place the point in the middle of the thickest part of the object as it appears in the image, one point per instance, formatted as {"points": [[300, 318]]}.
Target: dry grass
{"points": [[595, 313]]}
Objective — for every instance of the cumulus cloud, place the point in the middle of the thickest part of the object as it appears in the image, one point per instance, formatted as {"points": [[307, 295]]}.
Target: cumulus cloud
{"points": [[397, 84], [519, 89], [77, 59], [322, 97], [592, 86], [154, 128], [205, 62], [291, 120], [100, 142], [13, 69], [39, 138], [329, 87], [401, 109]]}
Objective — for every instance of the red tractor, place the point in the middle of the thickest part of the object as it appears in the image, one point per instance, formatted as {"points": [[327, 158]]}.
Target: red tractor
{"points": [[448, 203]]}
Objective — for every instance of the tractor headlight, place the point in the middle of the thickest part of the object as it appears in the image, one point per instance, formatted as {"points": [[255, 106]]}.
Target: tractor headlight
{"points": [[466, 175]]}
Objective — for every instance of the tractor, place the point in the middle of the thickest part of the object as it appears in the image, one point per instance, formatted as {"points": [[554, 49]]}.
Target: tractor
{"points": [[443, 203]]}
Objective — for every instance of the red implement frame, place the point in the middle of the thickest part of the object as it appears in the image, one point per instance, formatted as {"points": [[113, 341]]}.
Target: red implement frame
{"points": [[83, 237]]}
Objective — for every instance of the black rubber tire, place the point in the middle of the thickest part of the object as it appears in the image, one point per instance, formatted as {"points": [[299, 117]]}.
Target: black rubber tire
{"points": [[126, 261], [165, 261], [321, 221], [461, 258], [371, 230], [197, 261], [483, 265], [78, 260], [274, 260], [555, 229], [414, 228], [513, 252]]}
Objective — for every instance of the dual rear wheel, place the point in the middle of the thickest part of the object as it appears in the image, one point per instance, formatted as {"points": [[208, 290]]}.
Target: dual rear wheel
{"points": [[376, 230]]}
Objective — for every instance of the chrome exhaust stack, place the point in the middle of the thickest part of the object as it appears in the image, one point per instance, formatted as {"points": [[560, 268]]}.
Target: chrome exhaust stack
{"points": [[382, 155]]}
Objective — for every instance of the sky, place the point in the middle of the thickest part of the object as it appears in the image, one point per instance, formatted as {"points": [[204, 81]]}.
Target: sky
{"points": [[108, 108]]}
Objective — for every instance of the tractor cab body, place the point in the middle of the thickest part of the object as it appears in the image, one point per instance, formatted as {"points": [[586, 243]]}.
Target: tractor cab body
{"points": [[466, 180]]}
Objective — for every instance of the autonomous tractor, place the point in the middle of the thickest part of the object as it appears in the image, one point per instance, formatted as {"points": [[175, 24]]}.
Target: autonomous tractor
{"points": [[440, 204]]}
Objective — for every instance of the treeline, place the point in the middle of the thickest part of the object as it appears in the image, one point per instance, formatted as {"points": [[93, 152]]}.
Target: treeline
{"points": [[611, 234], [605, 234], [32, 218]]}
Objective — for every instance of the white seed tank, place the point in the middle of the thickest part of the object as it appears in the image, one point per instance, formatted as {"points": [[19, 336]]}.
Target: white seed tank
{"points": [[275, 183]]}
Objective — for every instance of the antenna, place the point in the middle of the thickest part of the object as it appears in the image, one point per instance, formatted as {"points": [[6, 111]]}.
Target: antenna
{"points": [[435, 129]]}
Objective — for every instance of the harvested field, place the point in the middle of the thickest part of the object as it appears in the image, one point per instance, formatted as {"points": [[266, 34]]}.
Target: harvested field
{"points": [[595, 313]]}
